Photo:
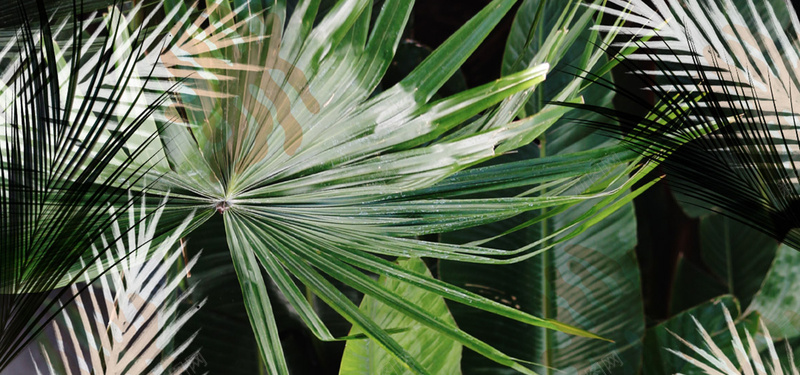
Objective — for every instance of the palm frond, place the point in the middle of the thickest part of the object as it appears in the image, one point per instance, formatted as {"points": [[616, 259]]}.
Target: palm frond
{"points": [[320, 175], [73, 137], [748, 360], [727, 79], [131, 325]]}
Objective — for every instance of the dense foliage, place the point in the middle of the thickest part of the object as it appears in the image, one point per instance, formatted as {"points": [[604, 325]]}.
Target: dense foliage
{"points": [[557, 185]]}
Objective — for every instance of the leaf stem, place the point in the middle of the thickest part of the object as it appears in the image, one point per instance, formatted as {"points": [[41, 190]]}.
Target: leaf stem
{"points": [[547, 277]]}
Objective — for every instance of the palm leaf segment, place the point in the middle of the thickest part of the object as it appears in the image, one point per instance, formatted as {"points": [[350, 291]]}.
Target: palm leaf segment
{"points": [[713, 361], [279, 129], [726, 74], [131, 325]]}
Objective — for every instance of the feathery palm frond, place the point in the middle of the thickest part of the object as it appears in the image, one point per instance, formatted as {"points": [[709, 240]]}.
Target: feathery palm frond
{"points": [[748, 358], [73, 139], [727, 77], [349, 174], [130, 326]]}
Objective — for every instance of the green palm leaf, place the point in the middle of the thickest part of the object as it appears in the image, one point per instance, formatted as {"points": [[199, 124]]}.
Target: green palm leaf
{"points": [[277, 126]]}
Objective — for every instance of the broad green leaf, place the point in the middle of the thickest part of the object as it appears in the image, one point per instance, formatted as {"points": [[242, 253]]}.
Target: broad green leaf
{"points": [[778, 300], [532, 36], [693, 285], [591, 281], [438, 353], [737, 254], [734, 259]]}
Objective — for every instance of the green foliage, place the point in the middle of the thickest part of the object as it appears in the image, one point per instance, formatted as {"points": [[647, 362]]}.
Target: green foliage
{"points": [[70, 148], [438, 353], [588, 278], [736, 255], [334, 157], [777, 300], [707, 132], [347, 169]]}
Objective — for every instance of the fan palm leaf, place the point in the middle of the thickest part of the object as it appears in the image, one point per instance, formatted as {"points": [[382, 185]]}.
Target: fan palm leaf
{"points": [[319, 175], [277, 124]]}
